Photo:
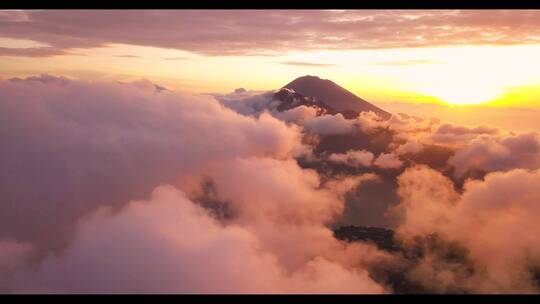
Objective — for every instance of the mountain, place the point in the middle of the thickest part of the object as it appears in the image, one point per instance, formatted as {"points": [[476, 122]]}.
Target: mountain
{"points": [[290, 99], [335, 97]]}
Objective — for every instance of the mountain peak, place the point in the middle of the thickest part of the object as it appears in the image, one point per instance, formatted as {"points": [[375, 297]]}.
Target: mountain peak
{"points": [[332, 94], [308, 77]]}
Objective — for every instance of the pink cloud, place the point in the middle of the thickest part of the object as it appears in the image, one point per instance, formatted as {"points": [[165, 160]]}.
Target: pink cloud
{"points": [[240, 32], [488, 220]]}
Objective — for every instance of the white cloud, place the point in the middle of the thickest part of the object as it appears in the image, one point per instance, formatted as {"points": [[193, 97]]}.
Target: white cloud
{"points": [[388, 161]]}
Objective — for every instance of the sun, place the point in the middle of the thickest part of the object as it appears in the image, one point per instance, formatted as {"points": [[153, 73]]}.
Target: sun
{"points": [[472, 75], [464, 91], [467, 97]]}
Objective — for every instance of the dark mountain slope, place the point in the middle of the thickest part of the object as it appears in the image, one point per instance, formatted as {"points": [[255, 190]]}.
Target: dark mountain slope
{"points": [[333, 95]]}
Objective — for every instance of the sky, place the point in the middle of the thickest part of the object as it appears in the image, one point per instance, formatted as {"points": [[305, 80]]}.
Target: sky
{"points": [[395, 59]]}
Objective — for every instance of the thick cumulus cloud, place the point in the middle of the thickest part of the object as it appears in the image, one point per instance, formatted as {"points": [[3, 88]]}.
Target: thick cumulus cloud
{"points": [[475, 150], [405, 127], [425, 195], [365, 158], [490, 220], [82, 160], [388, 161], [455, 134], [130, 187], [169, 244], [286, 205], [256, 32], [462, 196], [410, 147], [498, 153], [354, 158], [13, 257], [299, 114], [328, 124], [69, 146]]}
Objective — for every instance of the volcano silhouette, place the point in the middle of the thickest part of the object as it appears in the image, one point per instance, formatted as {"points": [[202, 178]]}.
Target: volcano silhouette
{"points": [[335, 96]]}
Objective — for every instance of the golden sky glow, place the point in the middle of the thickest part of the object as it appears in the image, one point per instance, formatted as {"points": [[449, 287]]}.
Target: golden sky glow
{"points": [[453, 75], [458, 60]]}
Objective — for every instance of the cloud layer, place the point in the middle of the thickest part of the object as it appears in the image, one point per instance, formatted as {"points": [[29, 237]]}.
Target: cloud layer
{"points": [[129, 187], [170, 245], [98, 178], [266, 32], [70, 146], [489, 221]]}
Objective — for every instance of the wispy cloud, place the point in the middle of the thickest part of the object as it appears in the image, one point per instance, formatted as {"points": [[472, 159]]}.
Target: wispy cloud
{"points": [[307, 64], [242, 32], [177, 58], [127, 56], [32, 52], [406, 62]]}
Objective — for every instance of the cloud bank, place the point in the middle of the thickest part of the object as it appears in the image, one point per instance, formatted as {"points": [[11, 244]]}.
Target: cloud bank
{"points": [[170, 245], [130, 187], [70, 146], [487, 220], [238, 32], [98, 177]]}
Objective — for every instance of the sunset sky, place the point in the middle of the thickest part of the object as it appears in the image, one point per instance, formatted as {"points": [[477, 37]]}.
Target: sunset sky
{"points": [[221, 151], [391, 58]]}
